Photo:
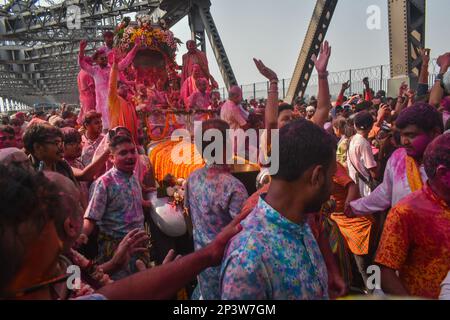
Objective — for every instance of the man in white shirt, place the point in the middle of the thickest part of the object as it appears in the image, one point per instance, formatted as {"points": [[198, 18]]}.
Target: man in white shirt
{"points": [[360, 161]]}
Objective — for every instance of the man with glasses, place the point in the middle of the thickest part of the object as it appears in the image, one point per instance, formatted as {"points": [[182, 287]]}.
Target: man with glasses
{"points": [[44, 143]]}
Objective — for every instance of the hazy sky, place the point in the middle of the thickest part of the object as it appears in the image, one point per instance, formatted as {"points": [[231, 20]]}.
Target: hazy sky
{"points": [[273, 30]]}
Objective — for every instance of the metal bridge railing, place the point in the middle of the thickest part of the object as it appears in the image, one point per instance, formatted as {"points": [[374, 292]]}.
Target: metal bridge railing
{"points": [[378, 79]]}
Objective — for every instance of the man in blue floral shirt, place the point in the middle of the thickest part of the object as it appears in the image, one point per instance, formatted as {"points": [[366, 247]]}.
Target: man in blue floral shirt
{"points": [[213, 197], [115, 202], [276, 255]]}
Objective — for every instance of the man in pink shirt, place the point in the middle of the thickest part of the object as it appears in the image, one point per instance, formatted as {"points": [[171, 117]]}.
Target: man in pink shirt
{"points": [[232, 112], [189, 85], [100, 73], [86, 88]]}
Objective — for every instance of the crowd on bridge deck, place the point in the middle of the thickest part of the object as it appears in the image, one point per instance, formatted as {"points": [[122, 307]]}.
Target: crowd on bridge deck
{"points": [[362, 189]]}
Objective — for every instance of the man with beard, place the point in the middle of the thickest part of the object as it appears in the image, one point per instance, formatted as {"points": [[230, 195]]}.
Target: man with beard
{"points": [[276, 255], [418, 126]]}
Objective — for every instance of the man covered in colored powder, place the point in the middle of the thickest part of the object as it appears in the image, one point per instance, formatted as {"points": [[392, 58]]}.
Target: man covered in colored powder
{"points": [[86, 88], [405, 173], [416, 236], [101, 72], [196, 57]]}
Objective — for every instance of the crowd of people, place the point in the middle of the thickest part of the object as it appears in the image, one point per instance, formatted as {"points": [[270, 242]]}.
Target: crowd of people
{"points": [[363, 181]]}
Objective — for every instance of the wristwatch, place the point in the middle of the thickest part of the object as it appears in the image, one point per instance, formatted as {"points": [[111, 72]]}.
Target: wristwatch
{"points": [[440, 78]]}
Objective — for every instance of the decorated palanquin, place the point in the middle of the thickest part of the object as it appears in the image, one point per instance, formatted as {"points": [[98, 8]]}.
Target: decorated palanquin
{"points": [[161, 158]]}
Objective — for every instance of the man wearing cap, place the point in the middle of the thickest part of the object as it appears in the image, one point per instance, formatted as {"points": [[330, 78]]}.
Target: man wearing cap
{"points": [[360, 160]]}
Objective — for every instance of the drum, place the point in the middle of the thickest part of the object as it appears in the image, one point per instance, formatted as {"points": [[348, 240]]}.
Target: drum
{"points": [[168, 218]]}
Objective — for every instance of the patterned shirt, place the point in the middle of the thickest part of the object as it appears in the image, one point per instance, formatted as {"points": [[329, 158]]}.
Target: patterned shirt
{"points": [[89, 147], [416, 242], [214, 197], [116, 204], [273, 259]]}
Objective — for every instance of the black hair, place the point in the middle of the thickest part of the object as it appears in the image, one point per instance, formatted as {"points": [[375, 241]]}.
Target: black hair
{"points": [[340, 123], [216, 124], [365, 105], [71, 135], [39, 133], [285, 106], [303, 145], [90, 116], [7, 129], [118, 140], [31, 198], [422, 115], [364, 120]]}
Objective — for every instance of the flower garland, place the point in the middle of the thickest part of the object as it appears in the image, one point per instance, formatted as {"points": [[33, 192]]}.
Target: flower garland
{"points": [[170, 118]]}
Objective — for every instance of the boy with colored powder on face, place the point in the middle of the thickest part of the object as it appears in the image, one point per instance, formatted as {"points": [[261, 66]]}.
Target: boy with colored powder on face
{"points": [[418, 126], [116, 202], [416, 237]]}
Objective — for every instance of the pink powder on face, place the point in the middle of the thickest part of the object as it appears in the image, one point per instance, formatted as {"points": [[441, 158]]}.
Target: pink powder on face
{"points": [[418, 146]]}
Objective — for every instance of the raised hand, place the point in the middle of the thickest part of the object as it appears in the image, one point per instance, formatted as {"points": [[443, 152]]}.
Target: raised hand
{"points": [[346, 86], [83, 45], [321, 62], [383, 112], [265, 71], [403, 89], [444, 62], [133, 242], [425, 55], [366, 81]]}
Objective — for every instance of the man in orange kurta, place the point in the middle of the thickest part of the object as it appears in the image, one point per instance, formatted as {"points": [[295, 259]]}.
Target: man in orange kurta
{"points": [[121, 110], [196, 57]]}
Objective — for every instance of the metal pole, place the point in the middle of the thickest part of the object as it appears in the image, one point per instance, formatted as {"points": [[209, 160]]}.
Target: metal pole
{"points": [[284, 90], [381, 77], [254, 90], [351, 84]]}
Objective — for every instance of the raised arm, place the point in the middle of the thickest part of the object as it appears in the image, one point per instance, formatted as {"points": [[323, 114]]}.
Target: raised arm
{"points": [[437, 93], [401, 101], [422, 87], [271, 113], [89, 173], [368, 96], [81, 62], [130, 56], [323, 98], [340, 99]]}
